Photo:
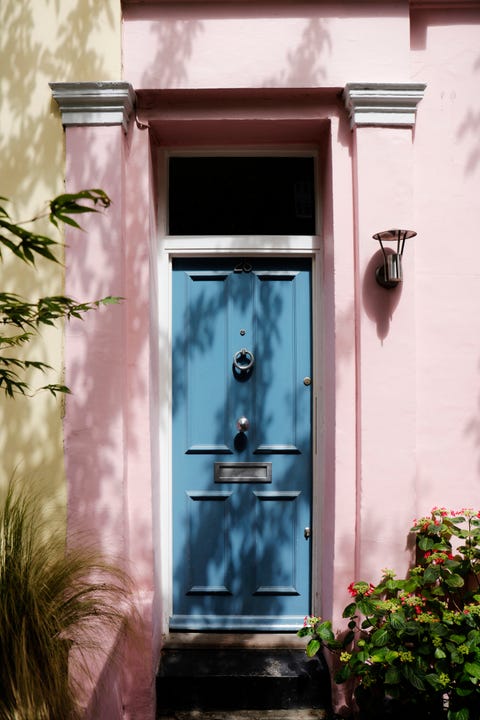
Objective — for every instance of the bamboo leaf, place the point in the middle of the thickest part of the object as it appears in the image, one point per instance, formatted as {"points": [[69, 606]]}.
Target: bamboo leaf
{"points": [[54, 389], [68, 204], [22, 319]]}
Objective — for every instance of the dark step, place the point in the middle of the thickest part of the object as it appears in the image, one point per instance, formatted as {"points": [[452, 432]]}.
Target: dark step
{"points": [[221, 679], [301, 714]]}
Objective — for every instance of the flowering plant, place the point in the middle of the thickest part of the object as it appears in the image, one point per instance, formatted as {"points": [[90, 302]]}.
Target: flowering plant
{"points": [[320, 634], [414, 644]]}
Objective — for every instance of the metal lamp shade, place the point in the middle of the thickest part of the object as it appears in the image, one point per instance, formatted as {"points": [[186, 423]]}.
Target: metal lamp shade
{"points": [[390, 273]]}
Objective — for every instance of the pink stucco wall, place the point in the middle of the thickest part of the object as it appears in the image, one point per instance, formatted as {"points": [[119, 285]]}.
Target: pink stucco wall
{"points": [[400, 369], [107, 421], [242, 44], [445, 50]]}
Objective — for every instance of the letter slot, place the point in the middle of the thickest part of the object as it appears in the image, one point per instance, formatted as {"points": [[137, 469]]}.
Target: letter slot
{"points": [[243, 472]]}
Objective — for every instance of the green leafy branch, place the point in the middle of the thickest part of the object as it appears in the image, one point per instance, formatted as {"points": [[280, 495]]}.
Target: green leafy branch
{"points": [[68, 204], [21, 320], [26, 244]]}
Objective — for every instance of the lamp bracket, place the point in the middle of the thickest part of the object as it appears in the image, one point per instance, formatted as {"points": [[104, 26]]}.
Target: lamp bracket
{"points": [[381, 279]]}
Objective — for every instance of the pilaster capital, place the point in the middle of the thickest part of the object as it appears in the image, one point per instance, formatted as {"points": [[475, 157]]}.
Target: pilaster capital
{"points": [[382, 104], [94, 103]]}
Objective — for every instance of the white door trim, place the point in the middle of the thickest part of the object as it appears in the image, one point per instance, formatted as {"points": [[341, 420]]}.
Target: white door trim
{"points": [[170, 247]]}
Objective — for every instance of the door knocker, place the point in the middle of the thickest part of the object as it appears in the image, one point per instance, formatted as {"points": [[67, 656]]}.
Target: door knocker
{"points": [[242, 366], [243, 360]]}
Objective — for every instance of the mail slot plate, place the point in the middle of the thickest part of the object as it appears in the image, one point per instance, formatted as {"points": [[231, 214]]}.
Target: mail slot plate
{"points": [[243, 472]]}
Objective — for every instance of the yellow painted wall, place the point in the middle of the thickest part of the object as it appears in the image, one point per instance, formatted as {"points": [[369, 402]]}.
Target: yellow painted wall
{"points": [[43, 41]]}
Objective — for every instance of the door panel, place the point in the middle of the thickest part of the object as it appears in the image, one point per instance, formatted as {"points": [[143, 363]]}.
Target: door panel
{"points": [[208, 517], [206, 364], [241, 500], [276, 567], [276, 294]]}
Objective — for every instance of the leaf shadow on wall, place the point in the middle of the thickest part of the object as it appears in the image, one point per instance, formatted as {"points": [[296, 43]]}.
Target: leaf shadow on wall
{"points": [[176, 38], [303, 66], [175, 43], [32, 162], [472, 429], [469, 129]]}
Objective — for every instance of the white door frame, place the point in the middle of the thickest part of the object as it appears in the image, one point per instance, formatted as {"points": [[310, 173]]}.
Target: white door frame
{"points": [[170, 247]]}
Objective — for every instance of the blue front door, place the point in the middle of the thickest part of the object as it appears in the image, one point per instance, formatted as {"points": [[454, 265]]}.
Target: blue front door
{"points": [[241, 444]]}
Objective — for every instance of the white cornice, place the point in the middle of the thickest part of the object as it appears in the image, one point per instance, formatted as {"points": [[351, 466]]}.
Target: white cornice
{"points": [[387, 104], [94, 103]]}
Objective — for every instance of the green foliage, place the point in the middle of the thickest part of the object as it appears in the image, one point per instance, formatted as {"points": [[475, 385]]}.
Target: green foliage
{"points": [[65, 205], [21, 320], [51, 601], [318, 632], [414, 644]]}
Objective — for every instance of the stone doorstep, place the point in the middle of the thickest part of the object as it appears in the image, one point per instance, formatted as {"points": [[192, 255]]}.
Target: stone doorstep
{"points": [[268, 683], [236, 663], [302, 714], [241, 684]]}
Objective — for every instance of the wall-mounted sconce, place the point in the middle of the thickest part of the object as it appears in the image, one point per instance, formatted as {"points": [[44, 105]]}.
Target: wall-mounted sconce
{"points": [[390, 273]]}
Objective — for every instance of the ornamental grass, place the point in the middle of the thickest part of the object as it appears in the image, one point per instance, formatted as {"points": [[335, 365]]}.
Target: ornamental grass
{"points": [[52, 600]]}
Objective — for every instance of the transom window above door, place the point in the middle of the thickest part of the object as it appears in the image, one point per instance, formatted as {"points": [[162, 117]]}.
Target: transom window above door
{"points": [[241, 195]]}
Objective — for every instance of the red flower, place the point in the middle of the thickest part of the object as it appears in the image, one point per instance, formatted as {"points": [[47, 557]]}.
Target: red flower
{"points": [[352, 590]]}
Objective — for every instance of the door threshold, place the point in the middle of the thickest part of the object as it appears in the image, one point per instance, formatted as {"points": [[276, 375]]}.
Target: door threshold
{"points": [[254, 641]]}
